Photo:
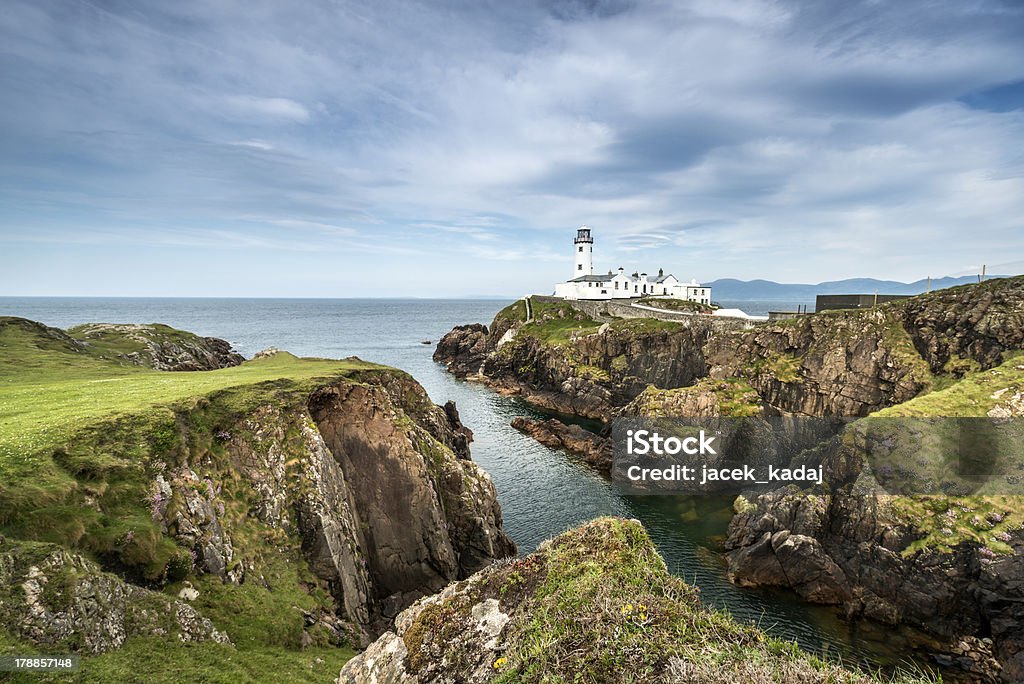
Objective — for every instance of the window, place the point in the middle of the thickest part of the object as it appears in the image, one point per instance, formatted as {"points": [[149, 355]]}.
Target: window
{"points": [[616, 285], [581, 248], [579, 267]]}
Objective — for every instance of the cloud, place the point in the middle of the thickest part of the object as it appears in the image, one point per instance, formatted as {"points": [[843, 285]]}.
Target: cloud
{"points": [[254, 144], [250, 107], [756, 139]]}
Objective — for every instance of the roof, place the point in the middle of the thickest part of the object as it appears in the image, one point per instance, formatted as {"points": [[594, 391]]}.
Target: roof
{"points": [[591, 279]]}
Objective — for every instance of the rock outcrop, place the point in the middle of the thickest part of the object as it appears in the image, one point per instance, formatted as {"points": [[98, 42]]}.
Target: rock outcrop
{"points": [[370, 479], [849, 551], [947, 565], [566, 362], [463, 349], [963, 326], [156, 346], [595, 449], [592, 604], [50, 596]]}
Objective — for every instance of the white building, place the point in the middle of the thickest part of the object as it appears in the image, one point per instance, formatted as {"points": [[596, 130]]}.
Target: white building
{"points": [[586, 285]]}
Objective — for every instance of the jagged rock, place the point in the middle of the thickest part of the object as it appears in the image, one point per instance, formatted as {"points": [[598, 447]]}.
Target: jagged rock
{"points": [[51, 596], [437, 519], [970, 323], [463, 349], [595, 449], [157, 346]]}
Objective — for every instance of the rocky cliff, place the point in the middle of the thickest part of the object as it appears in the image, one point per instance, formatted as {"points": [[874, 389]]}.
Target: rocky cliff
{"points": [[283, 503], [595, 604], [944, 564], [842, 363], [566, 361]]}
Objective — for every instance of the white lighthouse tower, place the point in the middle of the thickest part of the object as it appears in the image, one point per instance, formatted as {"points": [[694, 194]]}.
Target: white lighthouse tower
{"points": [[584, 253]]}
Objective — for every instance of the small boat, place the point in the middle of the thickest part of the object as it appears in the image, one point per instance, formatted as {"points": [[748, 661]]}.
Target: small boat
{"points": [[426, 342]]}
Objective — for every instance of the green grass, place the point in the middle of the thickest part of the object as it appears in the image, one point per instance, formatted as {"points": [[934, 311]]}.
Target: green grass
{"points": [[734, 397], [972, 396], [554, 323], [514, 312], [156, 661], [49, 391], [945, 521], [672, 304], [602, 607], [782, 367], [644, 326]]}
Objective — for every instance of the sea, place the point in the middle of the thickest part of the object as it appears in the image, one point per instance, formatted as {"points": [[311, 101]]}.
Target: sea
{"points": [[542, 492]]}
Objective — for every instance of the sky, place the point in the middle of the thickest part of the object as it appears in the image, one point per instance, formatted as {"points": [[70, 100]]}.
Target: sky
{"points": [[451, 148]]}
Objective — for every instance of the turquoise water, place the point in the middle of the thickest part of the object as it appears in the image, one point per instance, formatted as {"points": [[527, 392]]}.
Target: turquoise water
{"points": [[542, 492]]}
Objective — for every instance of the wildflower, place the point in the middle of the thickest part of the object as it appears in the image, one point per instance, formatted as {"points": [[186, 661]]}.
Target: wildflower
{"points": [[500, 663], [628, 608]]}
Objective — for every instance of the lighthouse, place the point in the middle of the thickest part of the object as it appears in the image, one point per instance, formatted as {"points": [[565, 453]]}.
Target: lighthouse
{"points": [[584, 253], [584, 284]]}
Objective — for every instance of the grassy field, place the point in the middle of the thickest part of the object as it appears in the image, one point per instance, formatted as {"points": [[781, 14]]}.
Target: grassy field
{"points": [[50, 390]]}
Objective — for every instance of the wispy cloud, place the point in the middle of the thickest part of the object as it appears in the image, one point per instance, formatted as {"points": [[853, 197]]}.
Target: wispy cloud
{"points": [[261, 109]]}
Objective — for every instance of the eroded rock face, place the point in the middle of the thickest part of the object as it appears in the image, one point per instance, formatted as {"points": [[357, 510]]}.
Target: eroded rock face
{"points": [[596, 371], [973, 323], [51, 596], [841, 364], [429, 517], [371, 480]]}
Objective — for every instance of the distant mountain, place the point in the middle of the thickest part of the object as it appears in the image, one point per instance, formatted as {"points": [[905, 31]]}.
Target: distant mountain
{"points": [[767, 290]]}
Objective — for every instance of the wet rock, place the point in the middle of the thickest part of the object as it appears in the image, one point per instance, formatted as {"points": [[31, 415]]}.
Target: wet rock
{"points": [[595, 449]]}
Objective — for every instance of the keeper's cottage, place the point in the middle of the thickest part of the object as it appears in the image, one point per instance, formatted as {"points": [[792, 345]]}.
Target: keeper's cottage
{"points": [[619, 285]]}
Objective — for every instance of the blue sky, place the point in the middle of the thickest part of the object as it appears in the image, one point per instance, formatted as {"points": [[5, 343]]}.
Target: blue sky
{"points": [[333, 149]]}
